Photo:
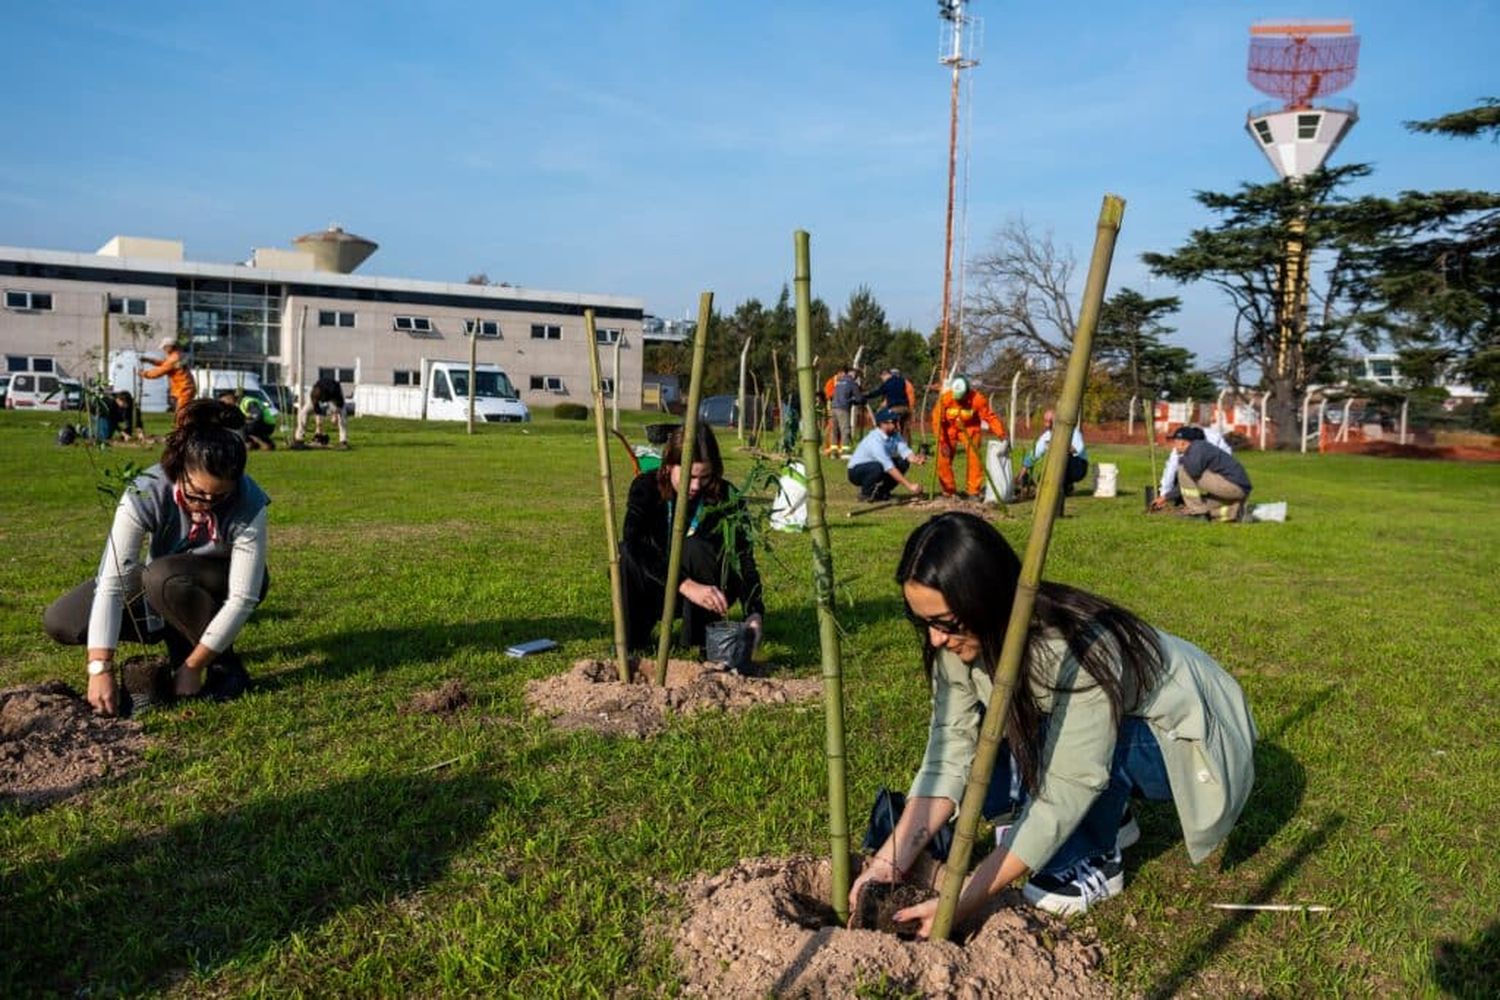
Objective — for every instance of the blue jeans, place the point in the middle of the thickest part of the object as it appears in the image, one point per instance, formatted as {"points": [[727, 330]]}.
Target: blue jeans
{"points": [[1137, 768]]}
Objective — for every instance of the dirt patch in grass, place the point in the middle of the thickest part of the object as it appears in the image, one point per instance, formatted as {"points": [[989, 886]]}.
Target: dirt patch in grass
{"points": [[591, 695], [764, 928], [52, 744], [444, 700]]}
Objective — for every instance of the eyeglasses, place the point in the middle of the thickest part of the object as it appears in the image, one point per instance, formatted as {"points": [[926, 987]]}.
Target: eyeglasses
{"points": [[946, 624], [202, 499]]}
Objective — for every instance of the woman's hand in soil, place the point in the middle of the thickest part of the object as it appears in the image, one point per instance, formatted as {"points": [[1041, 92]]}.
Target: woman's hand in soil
{"points": [[706, 597], [923, 914], [102, 693]]}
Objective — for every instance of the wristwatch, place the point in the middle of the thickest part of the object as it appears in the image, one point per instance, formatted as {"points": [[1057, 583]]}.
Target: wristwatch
{"points": [[97, 667]]}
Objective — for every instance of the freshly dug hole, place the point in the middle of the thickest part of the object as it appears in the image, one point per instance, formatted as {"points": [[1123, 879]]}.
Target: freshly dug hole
{"points": [[591, 696], [764, 927]]}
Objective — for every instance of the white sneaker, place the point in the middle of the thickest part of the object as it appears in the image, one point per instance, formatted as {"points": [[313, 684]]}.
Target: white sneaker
{"points": [[1129, 832], [1073, 891]]}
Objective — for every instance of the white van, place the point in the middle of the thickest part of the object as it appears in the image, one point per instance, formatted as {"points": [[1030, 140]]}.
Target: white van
{"points": [[43, 391], [446, 396], [212, 382], [150, 394]]}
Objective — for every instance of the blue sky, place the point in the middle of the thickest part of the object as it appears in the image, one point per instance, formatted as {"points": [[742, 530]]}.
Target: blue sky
{"points": [[658, 148]]}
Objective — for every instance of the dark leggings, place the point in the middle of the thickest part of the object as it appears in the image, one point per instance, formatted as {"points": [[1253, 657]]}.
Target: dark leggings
{"points": [[644, 596], [185, 590]]}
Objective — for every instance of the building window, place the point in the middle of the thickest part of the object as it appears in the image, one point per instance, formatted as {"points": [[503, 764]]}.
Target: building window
{"points": [[331, 317], [27, 363], [337, 374], [545, 331], [1307, 126], [1263, 130], [414, 324], [33, 301], [406, 376], [607, 335], [122, 306], [487, 328], [547, 383], [608, 384]]}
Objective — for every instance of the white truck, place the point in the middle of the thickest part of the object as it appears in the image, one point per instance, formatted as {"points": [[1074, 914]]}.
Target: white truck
{"points": [[444, 395]]}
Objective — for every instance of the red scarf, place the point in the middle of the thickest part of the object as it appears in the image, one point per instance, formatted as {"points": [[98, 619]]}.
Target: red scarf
{"points": [[204, 529]]}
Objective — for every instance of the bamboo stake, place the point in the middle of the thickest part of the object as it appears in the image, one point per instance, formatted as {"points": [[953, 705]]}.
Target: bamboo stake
{"points": [[740, 410], [684, 479], [828, 636], [614, 396], [780, 410], [473, 368], [1006, 672], [606, 484]]}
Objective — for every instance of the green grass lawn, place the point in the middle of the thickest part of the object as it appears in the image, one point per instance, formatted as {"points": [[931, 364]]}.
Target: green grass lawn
{"points": [[308, 839]]}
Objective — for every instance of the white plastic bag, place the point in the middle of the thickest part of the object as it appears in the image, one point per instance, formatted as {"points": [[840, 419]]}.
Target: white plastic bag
{"points": [[1269, 511], [789, 510], [1106, 478], [997, 464]]}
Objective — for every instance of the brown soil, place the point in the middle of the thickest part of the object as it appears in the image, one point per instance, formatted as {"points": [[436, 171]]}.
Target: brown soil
{"points": [[445, 700], [53, 745], [764, 928], [939, 504], [591, 696]]}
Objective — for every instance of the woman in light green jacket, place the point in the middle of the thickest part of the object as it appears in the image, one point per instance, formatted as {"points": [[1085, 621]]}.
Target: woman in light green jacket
{"points": [[1106, 706]]}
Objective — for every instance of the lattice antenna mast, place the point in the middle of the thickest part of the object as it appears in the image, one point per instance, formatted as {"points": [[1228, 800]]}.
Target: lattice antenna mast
{"points": [[958, 48]]}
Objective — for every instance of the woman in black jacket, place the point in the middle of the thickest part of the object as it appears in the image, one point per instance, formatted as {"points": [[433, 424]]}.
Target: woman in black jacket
{"points": [[718, 560]]}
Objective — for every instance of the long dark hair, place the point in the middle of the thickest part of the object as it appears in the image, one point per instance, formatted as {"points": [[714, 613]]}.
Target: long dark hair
{"points": [[206, 439], [975, 569], [705, 450]]}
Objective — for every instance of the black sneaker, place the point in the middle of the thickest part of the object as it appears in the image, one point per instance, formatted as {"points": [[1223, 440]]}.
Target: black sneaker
{"points": [[227, 677], [299, 445], [1074, 890]]}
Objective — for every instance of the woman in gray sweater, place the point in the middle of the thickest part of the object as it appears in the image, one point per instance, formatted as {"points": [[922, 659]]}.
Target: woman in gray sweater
{"points": [[1106, 706], [202, 525]]}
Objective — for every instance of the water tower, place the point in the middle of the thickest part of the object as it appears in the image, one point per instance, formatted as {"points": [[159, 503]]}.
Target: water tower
{"points": [[1298, 63]]}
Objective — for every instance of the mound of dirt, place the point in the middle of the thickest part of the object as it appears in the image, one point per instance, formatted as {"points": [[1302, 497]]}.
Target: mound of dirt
{"points": [[443, 701], [591, 696], [52, 744], [764, 928]]}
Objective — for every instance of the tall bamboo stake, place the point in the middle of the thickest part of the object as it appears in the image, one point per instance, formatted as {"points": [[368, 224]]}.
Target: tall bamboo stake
{"points": [[606, 484], [614, 396], [1006, 672], [104, 349], [473, 368], [828, 635], [740, 410], [684, 480], [780, 410]]}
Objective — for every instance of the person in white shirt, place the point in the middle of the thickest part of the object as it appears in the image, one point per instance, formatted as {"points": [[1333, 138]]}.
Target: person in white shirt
{"points": [[880, 462]]}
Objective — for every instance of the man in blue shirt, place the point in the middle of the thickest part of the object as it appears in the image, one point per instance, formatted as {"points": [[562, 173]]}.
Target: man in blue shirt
{"points": [[1078, 456], [880, 462]]}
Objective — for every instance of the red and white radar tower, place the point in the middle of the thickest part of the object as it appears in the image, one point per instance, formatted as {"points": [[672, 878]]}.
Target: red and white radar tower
{"points": [[1300, 62]]}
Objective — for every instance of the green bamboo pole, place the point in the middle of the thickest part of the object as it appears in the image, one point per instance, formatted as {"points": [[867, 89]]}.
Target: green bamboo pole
{"points": [[1006, 672], [828, 635], [606, 483], [679, 516]]}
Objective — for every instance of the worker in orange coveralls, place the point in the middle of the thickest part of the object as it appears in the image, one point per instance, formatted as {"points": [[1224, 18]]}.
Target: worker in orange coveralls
{"points": [[180, 384], [959, 419]]}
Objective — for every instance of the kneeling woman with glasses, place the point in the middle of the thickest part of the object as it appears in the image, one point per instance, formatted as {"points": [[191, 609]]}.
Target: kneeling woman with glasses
{"points": [[202, 524], [1105, 707]]}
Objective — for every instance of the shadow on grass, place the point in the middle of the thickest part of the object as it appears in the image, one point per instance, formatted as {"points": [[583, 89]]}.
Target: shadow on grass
{"points": [[139, 914], [339, 654], [1469, 970], [1200, 955], [1280, 782]]}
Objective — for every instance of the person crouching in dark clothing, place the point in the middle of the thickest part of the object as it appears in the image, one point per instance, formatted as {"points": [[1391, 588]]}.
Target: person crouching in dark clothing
{"points": [[715, 572]]}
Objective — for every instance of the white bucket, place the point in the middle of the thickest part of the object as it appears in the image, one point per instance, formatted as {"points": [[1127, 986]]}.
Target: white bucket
{"points": [[1106, 478], [1269, 511]]}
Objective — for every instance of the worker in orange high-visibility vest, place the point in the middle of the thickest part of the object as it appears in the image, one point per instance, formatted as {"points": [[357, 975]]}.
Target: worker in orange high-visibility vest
{"points": [[180, 384], [959, 420]]}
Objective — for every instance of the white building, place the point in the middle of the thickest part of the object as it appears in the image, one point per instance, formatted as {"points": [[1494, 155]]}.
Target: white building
{"points": [[292, 316]]}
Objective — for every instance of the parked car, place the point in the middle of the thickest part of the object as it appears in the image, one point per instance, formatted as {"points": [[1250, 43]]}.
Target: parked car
{"points": [[724, 411], [4, 388]]}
